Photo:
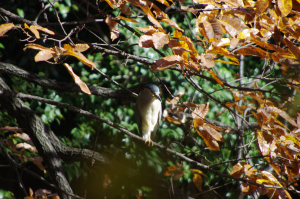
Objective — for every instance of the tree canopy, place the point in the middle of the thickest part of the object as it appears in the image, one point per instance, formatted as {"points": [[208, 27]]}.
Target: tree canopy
{"points": [[228, 71]]}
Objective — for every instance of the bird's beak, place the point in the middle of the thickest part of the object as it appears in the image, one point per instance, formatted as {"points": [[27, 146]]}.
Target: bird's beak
{"points": [[157, 96]]}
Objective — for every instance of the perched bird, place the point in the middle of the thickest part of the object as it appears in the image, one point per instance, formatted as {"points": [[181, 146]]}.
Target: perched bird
{"points": [[148, 112]]}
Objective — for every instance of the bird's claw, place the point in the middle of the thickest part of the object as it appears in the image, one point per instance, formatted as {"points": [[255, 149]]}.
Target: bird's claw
{"points": [[150, 142]]}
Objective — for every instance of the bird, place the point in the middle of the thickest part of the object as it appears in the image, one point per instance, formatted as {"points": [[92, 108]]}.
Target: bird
{"points": [[148, 112]]}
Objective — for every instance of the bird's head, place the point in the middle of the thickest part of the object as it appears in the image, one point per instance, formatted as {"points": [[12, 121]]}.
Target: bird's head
{"points": [[154, 89]]}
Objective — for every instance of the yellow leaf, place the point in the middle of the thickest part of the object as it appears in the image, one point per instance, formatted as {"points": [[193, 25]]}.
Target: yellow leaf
{"points": [[215, 76], [197, 179]]}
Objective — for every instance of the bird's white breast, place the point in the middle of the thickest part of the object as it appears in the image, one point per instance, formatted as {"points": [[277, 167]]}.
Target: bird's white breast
{"points": [[149, 107]]}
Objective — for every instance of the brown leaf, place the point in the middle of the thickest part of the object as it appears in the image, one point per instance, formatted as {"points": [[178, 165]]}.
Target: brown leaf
{"points": [[284, 115], [262, 5], [285, 7], [126, 10], [175, 172], [207, 60], [113, 26], [188, 9], [160, 39], [215, 134], [294, 50], [50, 32], [173, 24], [200, 111], [196, 171], [254, 51], [213, 29], [166, 62], [4, 28], [232, 25], [238, 169], [146, 41], [38, 162], [84, 88], [209, 141]]}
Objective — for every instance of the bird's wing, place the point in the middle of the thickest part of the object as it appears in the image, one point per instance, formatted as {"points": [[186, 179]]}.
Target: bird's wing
{"points": [[138, 117], [157, 124]]}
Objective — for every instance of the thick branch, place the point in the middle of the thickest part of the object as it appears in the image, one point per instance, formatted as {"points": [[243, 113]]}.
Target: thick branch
{"points": [[37, 131]]}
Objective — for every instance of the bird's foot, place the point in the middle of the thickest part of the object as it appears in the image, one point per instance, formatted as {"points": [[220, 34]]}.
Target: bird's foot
{"points": [[150, 142]]}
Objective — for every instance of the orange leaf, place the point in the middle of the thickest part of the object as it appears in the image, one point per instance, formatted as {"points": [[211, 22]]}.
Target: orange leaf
{"points": [[166, 62], [211, 143], [4, 28], [197, 179], [69, 50], [172, 23], [215, 76], [215, 134], [128, 19], [175, 172], [84, 88], [238, 169], [196, 171], [285, 7], [254, 51], [79, 47], [113, 26], [294, 50]]}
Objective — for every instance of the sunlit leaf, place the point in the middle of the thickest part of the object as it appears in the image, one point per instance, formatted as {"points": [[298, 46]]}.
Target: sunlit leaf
{"points": [[215, 76], [84, 88], [113, 26], [232, 25], [160, 39], [285, 7], [4, 28], [254, 51], [128, 19], [172, 23], [262, 5], [224, 52], [215, 134], [166, 62]]}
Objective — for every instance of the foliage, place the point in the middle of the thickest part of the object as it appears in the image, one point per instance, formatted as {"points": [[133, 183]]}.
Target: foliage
{"points": [[228, 75]]}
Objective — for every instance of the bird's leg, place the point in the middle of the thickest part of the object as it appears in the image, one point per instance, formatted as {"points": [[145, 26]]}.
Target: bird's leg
{"points": [[150, 142]]}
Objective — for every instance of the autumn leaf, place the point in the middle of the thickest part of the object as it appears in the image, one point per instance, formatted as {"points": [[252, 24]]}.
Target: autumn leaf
{"points": [[215, 76], [126, 10], [200, 111], [197, 180], [4, 28], [213, 29], [127, 19], [113, 26], [254, 51], [84, 88], [232, 25], [285, 7], [166, 62], [172, 23], [262, 5], [215, 134], [175, 172]]}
